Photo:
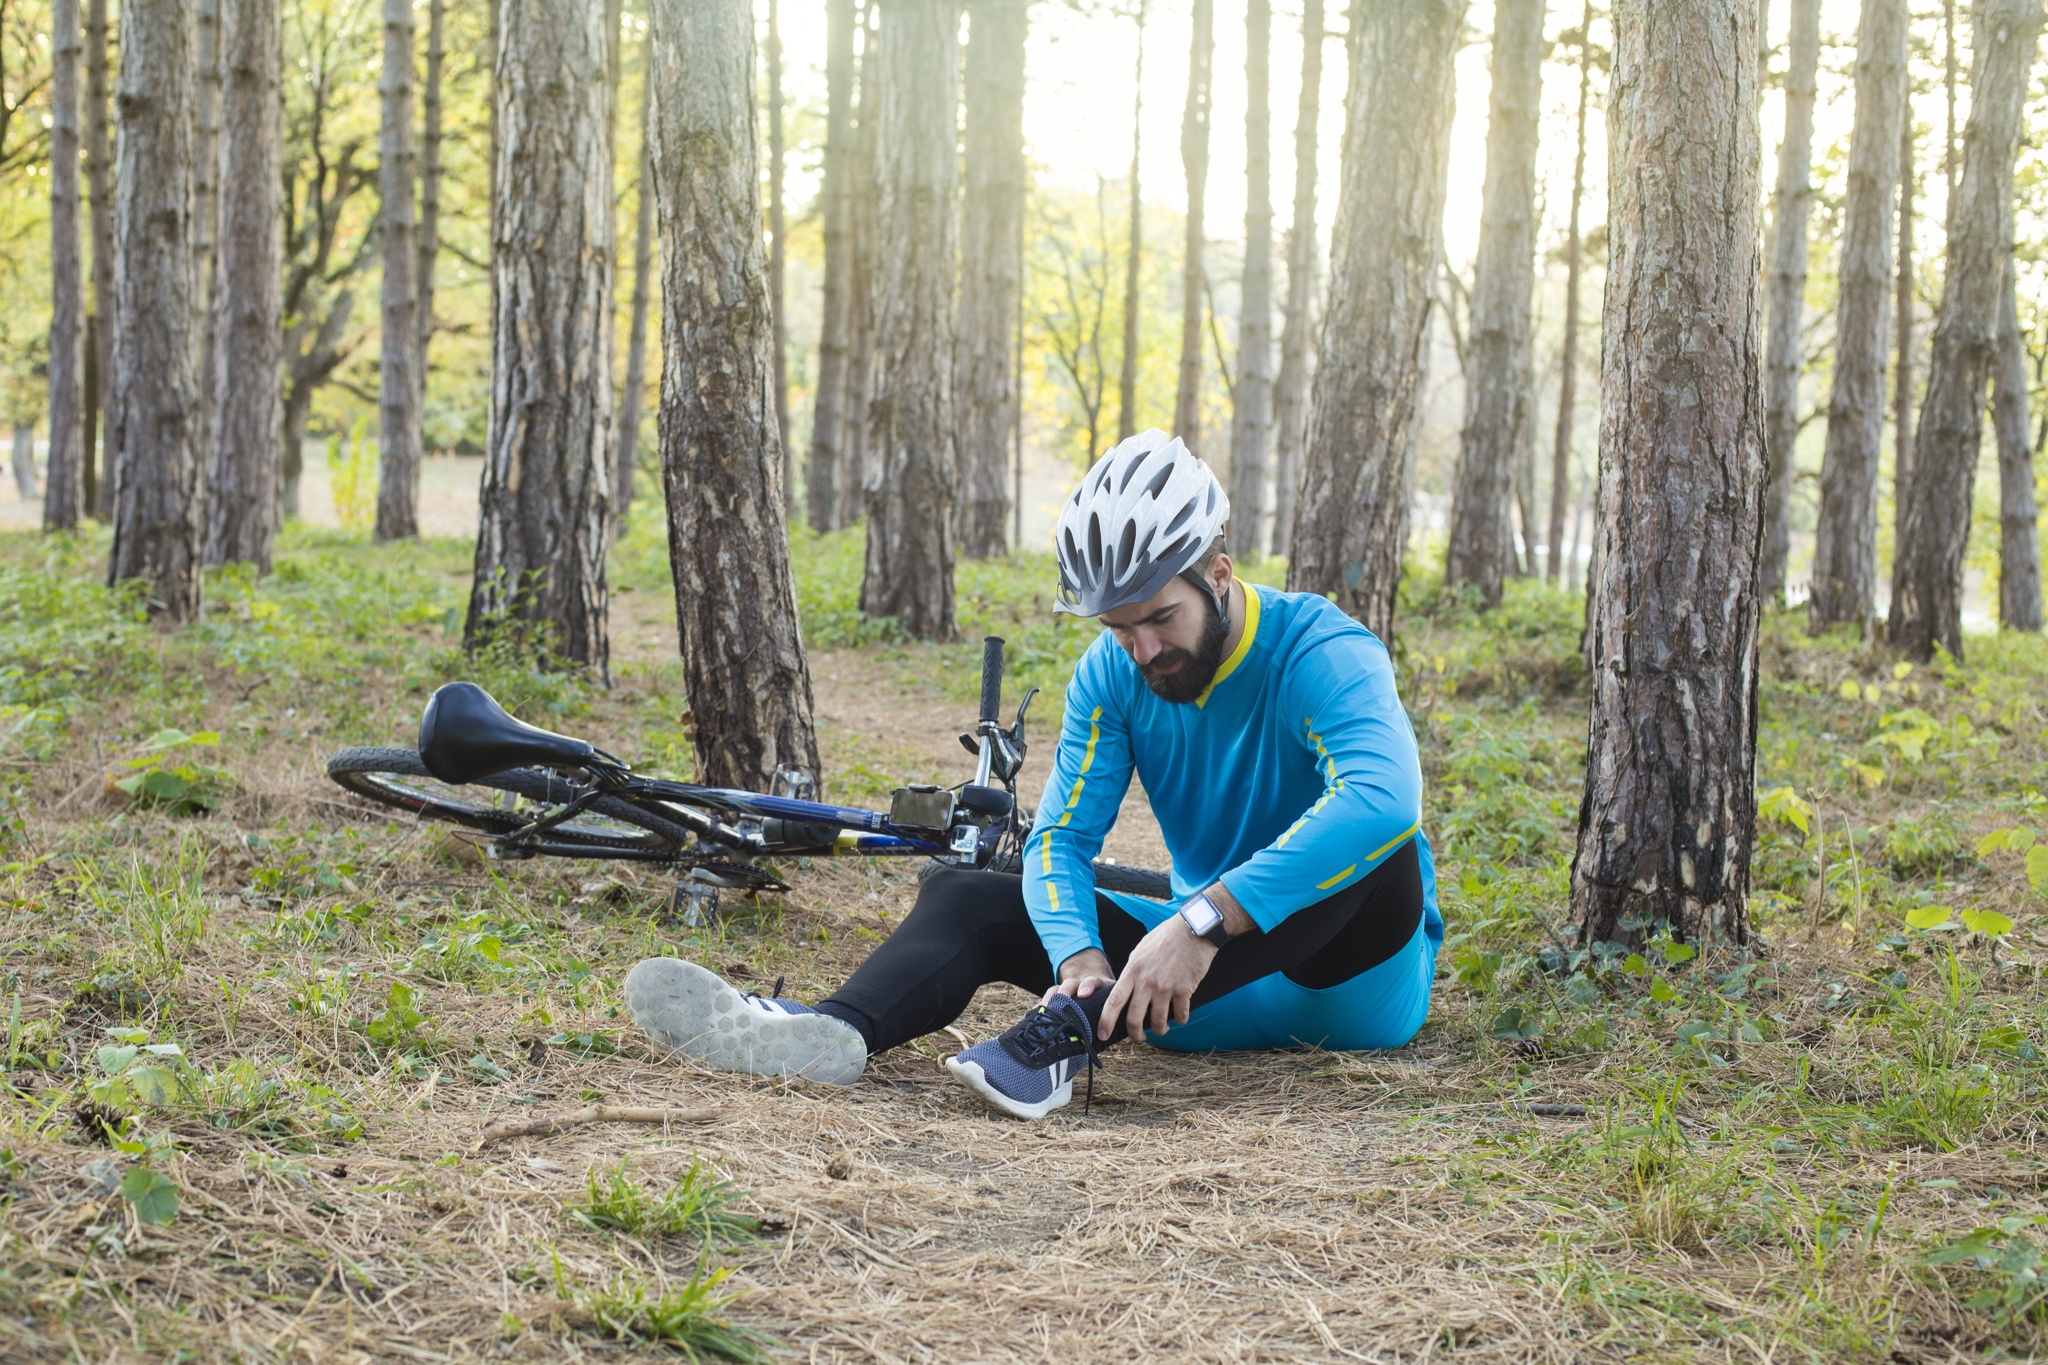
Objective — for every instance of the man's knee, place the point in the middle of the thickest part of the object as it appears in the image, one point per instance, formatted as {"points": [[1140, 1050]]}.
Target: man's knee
{"points": [[963, 895]]}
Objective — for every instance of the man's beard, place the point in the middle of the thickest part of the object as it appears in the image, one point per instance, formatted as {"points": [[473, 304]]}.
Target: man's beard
{"points": [[1197, 668]]}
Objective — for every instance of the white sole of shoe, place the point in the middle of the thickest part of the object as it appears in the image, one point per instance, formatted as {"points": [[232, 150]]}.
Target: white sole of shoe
{"points": [[974, 1078], [691, 1009]]}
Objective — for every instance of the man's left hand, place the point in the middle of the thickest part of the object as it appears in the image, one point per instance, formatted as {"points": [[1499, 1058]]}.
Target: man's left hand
{"points": [[1159, 981]]}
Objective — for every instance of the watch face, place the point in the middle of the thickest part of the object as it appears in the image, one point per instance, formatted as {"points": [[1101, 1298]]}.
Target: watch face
{"points": [[1201, 914]]}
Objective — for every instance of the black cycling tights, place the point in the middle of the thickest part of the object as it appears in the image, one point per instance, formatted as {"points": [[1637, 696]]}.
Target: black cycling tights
{"points": [[969, 929]]}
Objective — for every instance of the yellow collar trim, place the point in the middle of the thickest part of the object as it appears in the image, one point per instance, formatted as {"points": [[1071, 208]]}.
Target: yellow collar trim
{"points": [[1244, 642]]}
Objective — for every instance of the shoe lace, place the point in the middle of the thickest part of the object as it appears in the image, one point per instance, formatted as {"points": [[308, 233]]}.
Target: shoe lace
{"points": [[1040, 1033], [774, 992]]}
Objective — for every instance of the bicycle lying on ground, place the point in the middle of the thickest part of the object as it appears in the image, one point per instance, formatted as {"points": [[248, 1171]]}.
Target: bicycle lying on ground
{"points": [[523, 792]]}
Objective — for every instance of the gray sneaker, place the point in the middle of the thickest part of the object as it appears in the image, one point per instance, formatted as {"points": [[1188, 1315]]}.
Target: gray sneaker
{"points": [[688, 1008]]}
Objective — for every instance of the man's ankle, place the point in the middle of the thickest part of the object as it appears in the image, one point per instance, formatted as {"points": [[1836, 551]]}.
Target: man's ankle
{"points": [[847, 1014]]}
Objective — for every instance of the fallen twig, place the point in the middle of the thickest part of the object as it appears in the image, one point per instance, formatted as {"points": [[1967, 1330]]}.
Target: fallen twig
{"points": [[544, 1124], [1558, 1111]]}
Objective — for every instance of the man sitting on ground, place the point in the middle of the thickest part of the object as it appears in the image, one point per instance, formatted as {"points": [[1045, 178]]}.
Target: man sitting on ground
{"points": [[1283, 773]]}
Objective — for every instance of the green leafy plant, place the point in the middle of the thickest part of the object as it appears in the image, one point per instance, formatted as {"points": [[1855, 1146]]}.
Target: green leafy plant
{"points": [[176, 781], [153, 1195], [700, 1205], [690, 1318], [398, 1024], [135, 1070], [2028, 845], [2013, 1263]]}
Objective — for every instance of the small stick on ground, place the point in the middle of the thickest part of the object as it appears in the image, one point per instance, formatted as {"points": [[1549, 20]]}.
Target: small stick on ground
{"points": [[544, 1124]]}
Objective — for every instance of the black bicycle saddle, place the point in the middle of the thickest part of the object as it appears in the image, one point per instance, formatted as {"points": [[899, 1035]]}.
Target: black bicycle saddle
{"points": [[465, 735]]}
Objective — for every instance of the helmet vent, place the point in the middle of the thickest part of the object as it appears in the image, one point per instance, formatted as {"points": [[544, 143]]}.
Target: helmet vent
{"points": [[1180, 519], [1095, 543], [1126, 550]]}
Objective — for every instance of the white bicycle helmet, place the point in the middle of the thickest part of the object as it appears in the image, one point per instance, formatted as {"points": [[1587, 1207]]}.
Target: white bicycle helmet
{"points": [[1147, 511]]}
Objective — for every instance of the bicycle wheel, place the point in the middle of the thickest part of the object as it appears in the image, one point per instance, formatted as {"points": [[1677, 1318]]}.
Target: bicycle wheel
{"points": [[1134, 881], [397, 778]]}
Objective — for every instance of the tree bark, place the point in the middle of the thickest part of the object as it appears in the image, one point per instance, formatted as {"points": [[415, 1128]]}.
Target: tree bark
{"points": [[633, 391], [1789, 211], [1290, 393], [1568, 356], [99, 175], [778, 259], [1134, 254], [1669, 812], [156, 398], [864, 223], [430, 190], [828, 417], [248, 325], [991, 270], [1194, 159], [62, 490], [205, 205], [398, 374], [544, 506], [1352, 522], [2019, 542], [743, 655], [1844, 588], [1902, 321], [1497, 417], [908, 488], [1927, 567], [1251, 419]]}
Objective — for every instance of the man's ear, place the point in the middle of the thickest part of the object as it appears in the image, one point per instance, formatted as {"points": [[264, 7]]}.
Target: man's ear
{"points": [[1220, 573]]}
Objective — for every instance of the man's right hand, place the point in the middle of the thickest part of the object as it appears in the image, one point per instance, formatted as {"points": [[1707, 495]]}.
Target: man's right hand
{"points": [[1083, 974]]}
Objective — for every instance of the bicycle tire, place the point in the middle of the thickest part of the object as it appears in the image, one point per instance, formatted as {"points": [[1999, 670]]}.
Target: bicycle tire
{"points": [[1133, 881], [399, 779]]}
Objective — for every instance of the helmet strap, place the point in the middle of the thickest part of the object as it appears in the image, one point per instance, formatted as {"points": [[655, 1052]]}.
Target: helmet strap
{"points": [[1222, 602]]}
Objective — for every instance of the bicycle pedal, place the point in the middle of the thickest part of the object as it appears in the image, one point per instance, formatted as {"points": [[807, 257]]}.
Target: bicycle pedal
{"points": [[694, 905]]}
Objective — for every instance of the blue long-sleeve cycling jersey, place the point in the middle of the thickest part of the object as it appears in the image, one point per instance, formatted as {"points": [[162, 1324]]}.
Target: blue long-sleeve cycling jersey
{"points": [[1293, 775]]}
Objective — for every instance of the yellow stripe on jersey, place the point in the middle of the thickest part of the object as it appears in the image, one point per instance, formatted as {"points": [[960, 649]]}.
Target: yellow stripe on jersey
{"points": [[1325, 886]]}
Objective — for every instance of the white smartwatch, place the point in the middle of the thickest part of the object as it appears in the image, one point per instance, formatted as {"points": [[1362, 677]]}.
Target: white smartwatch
{"points": [[1204, 920]]}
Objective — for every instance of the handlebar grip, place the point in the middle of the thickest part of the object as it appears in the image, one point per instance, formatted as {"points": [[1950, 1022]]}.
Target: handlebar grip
{"points": [[991, 677]]}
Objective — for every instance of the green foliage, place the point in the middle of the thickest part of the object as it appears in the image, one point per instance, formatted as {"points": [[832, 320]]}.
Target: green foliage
{"points": [[699, 1205], [689, 1318], [398, 1025], [152, 1195], [177, 783], [2013, 1269], [1923, 845]]}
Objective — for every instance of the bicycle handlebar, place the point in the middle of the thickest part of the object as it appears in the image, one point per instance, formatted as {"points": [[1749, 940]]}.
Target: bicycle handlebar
{"points": [[992, 678]]}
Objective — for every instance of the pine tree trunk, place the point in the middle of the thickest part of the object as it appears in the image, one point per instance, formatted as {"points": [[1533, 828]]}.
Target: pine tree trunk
{"points": [[155, 412], [398, 375], [430, 188], [1134, 253], [633, 391], [778, 259], [1194, 159], [1251, 420], [1290, 393], [908, 488], [1902, 347], [743, 655], [864, 224], [1497, 416], [1351, 526], [1927, 568], [1789, 210], [991, 270], [1568, 356], [828, 419], [1845, 549], [544, 507], [62, 490], [205, 205], [1669, 812], [99, 176], [2019, 541], [248, 330]]}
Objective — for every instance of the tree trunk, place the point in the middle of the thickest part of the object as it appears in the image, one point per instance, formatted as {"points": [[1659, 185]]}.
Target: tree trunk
{"points": [[25, 462], [398, 374], [544, 507], [1789, 210], [1845, 549], [1352, 523], [62, 492], [1134, 251], [1568, 356], [1251, 419], [430, 190], [908, 488], [1927, 568], [205, 207], [1194, 159], [1497, 414], [156, 398], [991, 270], [1669, 813], [828, 419], [99, 175], [743, 655], [627, 441], [2019, 543], [87, 476], [248, 325], [778, 259], [864, 223], [1290, 396], [1902, 309]]}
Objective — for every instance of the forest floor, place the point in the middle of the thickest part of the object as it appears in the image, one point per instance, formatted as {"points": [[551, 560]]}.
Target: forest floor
{"points": [[254, 1029]]}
